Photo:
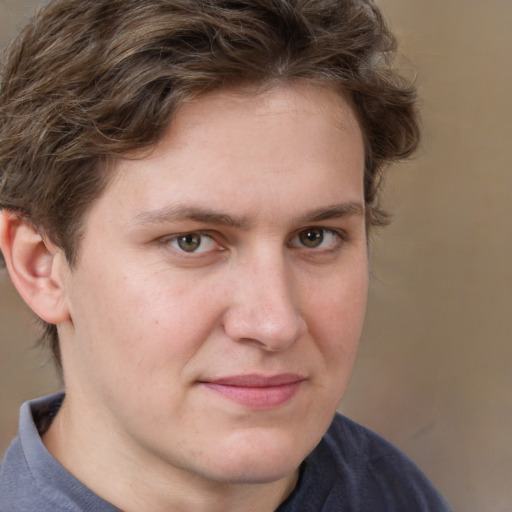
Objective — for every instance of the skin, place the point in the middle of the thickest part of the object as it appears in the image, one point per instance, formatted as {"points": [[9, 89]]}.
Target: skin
{"points": [[265, 194]]}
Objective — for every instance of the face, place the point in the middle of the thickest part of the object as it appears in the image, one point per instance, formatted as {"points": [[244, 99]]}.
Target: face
{"points": [[219, 295]]}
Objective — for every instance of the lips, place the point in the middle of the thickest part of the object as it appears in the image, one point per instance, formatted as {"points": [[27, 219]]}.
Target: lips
{"points": [[257, 391]]}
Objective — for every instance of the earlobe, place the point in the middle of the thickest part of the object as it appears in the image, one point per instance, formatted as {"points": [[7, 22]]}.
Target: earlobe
{"points": [[35, 267]]}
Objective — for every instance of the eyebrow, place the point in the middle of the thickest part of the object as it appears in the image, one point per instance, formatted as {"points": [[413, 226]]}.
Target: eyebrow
{"points": [[206, 216], [193, 213], [335, 211]]}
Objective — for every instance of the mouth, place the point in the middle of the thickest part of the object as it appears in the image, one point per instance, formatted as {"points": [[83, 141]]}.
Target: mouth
{"points": [[257, 391]]}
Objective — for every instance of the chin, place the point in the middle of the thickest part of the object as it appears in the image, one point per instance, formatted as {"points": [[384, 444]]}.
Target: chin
{"points": [[248, 473], [259, 460]]}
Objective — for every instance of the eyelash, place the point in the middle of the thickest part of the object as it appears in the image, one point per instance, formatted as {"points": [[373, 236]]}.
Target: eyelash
{"points": [[203, 236], [338, 237]]}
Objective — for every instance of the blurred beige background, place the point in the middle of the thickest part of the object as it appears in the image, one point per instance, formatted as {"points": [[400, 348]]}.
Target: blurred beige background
{"points": [[434, 374]]}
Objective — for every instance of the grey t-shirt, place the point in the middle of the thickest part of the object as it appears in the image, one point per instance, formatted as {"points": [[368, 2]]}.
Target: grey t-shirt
{"points": [[351, 470]]}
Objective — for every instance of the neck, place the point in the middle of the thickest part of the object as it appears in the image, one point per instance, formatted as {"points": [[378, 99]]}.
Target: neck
{"points": [[139, 481]]}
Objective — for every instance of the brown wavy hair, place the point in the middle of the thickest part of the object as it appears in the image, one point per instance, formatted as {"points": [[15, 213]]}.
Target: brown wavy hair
{"points": [[89, 80]]}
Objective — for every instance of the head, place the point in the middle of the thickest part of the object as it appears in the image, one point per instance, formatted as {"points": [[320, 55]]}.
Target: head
{"points": [[89, 81], [188, 187]]}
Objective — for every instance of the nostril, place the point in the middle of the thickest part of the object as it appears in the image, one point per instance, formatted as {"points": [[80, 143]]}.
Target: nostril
{"points": [[274, 331]]}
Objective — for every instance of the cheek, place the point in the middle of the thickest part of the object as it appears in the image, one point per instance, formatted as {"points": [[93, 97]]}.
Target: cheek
{"points": [[336, 316], [134, 339], [152, 316]]}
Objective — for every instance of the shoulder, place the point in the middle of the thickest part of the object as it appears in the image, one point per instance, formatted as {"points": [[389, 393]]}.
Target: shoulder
{"points": [[14, 479], [349, 442], [20, 489], [353, 469], [391, 481], [31, 479]]}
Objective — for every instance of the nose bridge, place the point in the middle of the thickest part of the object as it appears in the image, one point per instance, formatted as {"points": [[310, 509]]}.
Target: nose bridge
{"points": [[264, 307]]}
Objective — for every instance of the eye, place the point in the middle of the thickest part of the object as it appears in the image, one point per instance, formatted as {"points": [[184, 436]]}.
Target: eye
{"points": [[195, 242], [317, 238]]}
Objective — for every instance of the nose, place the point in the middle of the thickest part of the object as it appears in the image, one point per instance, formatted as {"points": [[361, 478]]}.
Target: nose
{"points": [[263, 308]]}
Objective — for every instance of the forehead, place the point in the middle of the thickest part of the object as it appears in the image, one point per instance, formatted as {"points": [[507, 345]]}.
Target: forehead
{"points": [[241, 146], [284, 108]]}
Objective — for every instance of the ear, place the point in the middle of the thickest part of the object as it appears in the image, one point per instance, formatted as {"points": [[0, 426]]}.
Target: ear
{"points": [[36, 267]]}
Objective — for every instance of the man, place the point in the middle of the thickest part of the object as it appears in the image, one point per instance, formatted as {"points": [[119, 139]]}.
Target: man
{"points": [[186, 191]]}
